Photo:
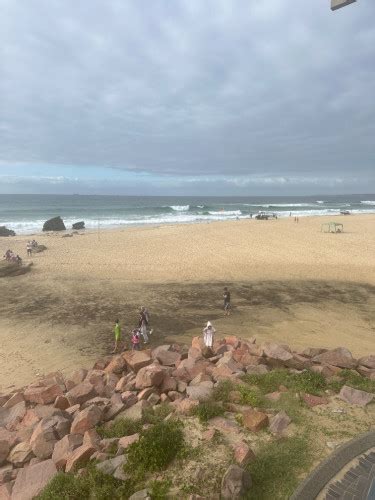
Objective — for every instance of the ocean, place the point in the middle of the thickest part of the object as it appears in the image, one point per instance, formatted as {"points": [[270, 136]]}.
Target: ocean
{"points": [[26, 214]]}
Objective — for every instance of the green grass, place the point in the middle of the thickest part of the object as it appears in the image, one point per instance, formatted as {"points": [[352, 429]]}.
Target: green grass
{"points": [[121, 428], [292, 406], [156, 449], [222, 390], [94, 484], [307, 381], [128, 427], [347, 377], [159, 489], [277, 466], [207, 410]]}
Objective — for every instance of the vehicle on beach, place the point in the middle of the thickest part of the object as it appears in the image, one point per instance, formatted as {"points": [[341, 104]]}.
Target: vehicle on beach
{"points": [[265, 216], [345, 212]]}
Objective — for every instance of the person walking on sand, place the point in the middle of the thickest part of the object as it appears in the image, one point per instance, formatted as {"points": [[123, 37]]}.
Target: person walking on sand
{"points": [[29, 248], [226, 297], [143, 323], [208, 335], [117, 332]]}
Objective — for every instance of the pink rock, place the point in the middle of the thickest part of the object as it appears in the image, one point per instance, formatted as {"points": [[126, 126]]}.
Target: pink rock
{"points": [[14, 400], [61, 403], [33, 479], [11, 417], [299, 362], [249, 359], [168, 358], [117, 365], [222, 372], [149, 376], [125, 442], [164, 398], [86, 419], [325, 370], [195, 354], [276, 354], [47, 433], [202, 377], [20, 454], [98, 401], [181, 386], [121, 384], [101, 363], [73, 410], [311, 352], [137, 359], [81, 393], [43, 395], [337, 357], [169, 384], [225, 425], [355, 396], [129, 398], [202, 392], [79, 376], [243, 454], [232, 340], [64, 448], [255, 420], [106, 445], [279, 423], [185, 406], [92, 438], [368, 362], [79, 457], [6, 491], [312, 401], [257, 370], [111, 411], [228, 361], [175, 396], [4, 450], [366, 372]]}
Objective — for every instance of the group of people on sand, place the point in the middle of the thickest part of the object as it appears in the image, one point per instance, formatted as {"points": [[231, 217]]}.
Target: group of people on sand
{"points": [[10, 256], [31, 245], [142, 332], [138, 334]]}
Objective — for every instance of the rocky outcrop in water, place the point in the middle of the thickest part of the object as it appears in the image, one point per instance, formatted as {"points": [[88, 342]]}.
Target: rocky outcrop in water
{"points": [[78, 225], [55, 224], [5, 232]]}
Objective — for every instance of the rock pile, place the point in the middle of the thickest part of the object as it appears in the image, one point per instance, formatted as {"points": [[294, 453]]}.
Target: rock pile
{"points": [[50, 425]]}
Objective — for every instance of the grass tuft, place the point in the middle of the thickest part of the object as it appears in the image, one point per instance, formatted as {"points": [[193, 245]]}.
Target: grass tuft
{"points": [[207, 410], [120, 428], [275, 472]]}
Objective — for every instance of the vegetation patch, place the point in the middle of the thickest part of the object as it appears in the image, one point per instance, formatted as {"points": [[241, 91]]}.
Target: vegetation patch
{"points": [[120, 428], [156, 449], [307, 381], [275, 472], [93, 484], [348, 377], [207, 410]]}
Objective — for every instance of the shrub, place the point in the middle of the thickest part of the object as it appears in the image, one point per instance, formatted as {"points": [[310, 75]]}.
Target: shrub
{"points": [[94, 484], [307, 381], [347, 377], [121, 428], [157, 447], [222, 390], [207, 410], [155, 415]]}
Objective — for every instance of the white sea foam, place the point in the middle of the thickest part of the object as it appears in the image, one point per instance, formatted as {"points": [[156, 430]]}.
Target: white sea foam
{"points": [[320, 202], [226, 212], [180, 208], [368, 202]]}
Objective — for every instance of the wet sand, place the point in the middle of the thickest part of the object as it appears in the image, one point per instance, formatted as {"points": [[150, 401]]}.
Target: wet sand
{"points": [[289, 282]]}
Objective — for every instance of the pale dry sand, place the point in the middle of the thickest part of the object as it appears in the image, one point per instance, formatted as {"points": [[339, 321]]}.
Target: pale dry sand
{"points": [[289, 282]]}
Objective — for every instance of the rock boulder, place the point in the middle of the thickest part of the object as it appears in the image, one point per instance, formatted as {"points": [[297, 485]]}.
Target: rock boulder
{"points": [[55, 224], [4, 232]]}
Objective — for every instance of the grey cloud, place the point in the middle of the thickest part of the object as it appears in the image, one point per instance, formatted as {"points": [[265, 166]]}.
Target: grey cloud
{"points": [[275, 88]]}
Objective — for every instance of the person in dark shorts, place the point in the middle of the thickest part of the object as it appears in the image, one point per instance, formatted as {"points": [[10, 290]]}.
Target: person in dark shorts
{"points": [[227, 306]]}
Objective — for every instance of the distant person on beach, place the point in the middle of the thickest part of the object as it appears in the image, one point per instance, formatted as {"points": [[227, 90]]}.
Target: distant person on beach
{"points": [[208, 335], [117, 331], [135, 340], [144, 319], [29, 248], [227, 306]]}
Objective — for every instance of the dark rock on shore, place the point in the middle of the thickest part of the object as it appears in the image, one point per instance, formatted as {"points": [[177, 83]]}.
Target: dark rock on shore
{"points": [[39, 249], [12, 269], [55, 224], [78, 225], [5, 232]]}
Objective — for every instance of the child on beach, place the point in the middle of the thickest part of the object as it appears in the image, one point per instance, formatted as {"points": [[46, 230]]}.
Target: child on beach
{"points": [[208, 335], [227, 306], [117, 331], [143, 324], [135, 340]]}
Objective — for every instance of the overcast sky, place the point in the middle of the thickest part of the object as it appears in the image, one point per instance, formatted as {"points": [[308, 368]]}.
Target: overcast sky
{"points": [[187, 97]]}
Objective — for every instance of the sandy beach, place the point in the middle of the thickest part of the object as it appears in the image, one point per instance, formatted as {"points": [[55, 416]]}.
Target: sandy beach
{"points": [[289, 282]]}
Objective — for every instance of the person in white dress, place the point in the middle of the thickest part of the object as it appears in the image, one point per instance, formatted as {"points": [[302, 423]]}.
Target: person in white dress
{"points": [[208, 335]]}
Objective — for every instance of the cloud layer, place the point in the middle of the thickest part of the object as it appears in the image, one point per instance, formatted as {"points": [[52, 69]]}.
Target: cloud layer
{"points": [[247, 91]]}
